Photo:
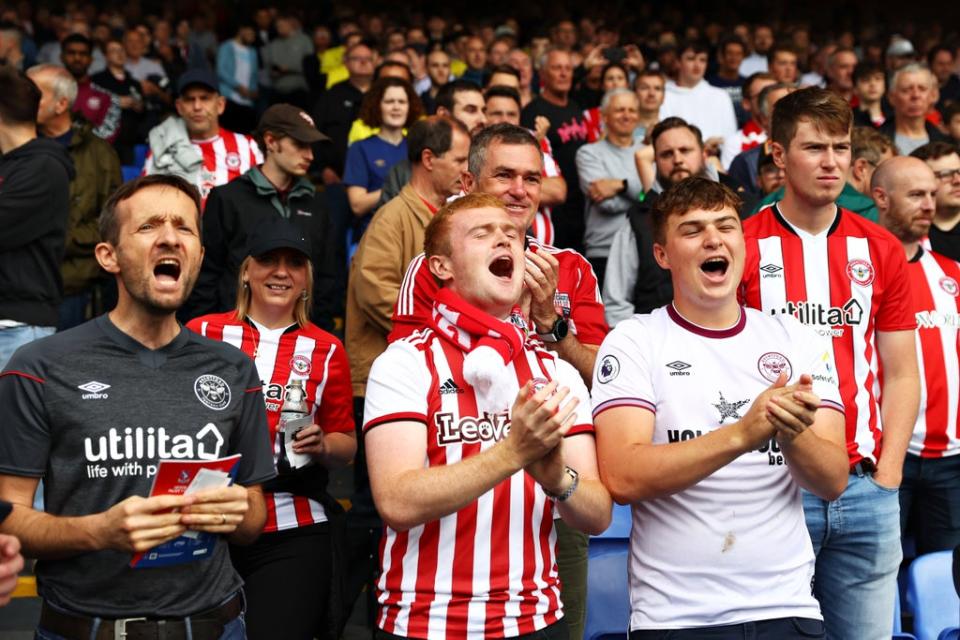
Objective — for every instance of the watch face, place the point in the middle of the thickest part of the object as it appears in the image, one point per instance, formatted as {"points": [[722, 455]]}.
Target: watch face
{"points": [[560, 329]]}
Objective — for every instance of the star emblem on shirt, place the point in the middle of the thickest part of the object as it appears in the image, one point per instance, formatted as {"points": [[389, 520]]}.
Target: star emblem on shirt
{"points": [[729, 409]]}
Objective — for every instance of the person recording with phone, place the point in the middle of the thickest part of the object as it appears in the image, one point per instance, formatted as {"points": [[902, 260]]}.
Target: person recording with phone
{"points": [[284, 569]]}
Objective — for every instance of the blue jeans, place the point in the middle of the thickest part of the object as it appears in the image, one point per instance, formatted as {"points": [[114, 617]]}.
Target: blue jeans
{"points": [[856, 539], [15, 337]]}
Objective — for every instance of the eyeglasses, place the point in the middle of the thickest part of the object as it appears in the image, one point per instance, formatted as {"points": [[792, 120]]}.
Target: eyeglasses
{"points": [[947, 174]]}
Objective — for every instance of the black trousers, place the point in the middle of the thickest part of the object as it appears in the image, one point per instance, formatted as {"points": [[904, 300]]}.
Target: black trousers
{"points": [[776, 629], [287, 583]]}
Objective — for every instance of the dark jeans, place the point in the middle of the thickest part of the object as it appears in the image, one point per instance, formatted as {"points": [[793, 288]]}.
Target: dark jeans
{"points": [[776, 629], [556, 631], [930, 502], [364, 528], [286, 577], [572, 568]]}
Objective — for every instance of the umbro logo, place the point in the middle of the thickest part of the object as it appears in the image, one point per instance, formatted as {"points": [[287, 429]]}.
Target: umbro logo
{"points": [[94, 390], [450, 387], [771, 271], [679, 368]]}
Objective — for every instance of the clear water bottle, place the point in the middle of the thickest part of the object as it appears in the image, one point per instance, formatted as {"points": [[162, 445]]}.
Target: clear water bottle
{"points": [[292, 415]]}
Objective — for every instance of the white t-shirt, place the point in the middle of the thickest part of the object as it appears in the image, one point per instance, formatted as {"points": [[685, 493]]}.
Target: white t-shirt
{"points": [[703, 105], [734, 547]]}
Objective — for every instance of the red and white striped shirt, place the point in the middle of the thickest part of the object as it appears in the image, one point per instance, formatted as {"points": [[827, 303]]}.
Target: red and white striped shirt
{"points": [[934, 282], [542, 227], [488, 570], [848, 283], [226, 156], [577, 297], [309, 354]]}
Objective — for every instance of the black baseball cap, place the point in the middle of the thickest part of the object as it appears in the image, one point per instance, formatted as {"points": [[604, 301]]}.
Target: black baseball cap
{"points": [[200, 77], [276, 233], [289, 120]]}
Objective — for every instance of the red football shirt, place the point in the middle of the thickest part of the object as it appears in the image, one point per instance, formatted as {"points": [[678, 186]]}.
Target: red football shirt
{"points": [[848, 283]]}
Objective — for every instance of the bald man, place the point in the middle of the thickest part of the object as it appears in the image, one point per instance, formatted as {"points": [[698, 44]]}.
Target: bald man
{"points": [[905, 190], [97, 176]]}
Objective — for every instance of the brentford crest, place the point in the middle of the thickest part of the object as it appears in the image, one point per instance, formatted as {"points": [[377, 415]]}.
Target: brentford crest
{"points": [[861, 272], [949, 285], [772, 364], [301, 364]]}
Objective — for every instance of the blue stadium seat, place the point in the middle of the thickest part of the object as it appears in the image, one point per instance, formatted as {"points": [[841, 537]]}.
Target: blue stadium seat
{"points": [[952, 633], [931, 595], [620, 524], [140, 155], [608, 598], [129, 172]]}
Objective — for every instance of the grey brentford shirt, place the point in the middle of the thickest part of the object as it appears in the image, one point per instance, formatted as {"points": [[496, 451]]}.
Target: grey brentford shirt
{"points": [[93, 412]]}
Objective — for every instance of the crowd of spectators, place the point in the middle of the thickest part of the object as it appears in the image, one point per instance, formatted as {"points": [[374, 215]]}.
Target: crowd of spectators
{"points": [[356, 128]]}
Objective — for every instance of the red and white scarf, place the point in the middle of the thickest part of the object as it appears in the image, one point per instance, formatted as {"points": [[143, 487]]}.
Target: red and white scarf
{"points": [[489, 344]]}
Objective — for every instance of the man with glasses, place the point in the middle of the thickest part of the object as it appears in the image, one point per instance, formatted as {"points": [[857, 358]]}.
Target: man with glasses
{"points": [[943, 158]]}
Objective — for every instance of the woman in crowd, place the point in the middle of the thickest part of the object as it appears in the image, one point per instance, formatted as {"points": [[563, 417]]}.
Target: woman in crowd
{"points": [[290, 572], [391, 105]]}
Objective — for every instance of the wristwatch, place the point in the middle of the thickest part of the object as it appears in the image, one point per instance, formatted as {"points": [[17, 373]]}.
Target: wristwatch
{"points": [[573, 486], [557, 332]]}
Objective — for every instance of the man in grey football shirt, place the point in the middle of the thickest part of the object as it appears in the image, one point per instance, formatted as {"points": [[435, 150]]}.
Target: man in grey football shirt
{"points": [[95, 409]]}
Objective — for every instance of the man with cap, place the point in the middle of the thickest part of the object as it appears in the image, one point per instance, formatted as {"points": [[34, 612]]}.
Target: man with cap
{"points": [[277, 189], [194, 146]]}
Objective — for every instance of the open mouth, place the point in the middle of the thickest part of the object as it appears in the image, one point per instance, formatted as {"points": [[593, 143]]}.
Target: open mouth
{"points": [[715, 266], [502, 267], [167, 271], [278, 287]]}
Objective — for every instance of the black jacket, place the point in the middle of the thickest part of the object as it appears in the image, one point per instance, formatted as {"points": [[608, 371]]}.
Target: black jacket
{"points": [[654, 287], [232, 211], [34, 207], [889, 129]]}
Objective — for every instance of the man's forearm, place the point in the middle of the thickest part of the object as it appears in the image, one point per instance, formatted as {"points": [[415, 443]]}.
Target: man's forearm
{"points": [[47, 537], [581, 356], [588, 509], [418, 496], [817, 464], [553, 191], [898, 410]]}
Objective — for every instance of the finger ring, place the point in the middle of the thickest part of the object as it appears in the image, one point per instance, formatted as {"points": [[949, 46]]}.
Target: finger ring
{"points": [[223, 518]]}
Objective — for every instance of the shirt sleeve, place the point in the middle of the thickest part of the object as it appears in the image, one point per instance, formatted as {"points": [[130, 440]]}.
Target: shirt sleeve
{"points": [[815, 358], [894, 313], [587, 310], [335, 402], [397, 387], [26, 435], [621, 377], [252, 438], [356, 173], [414, 302]]}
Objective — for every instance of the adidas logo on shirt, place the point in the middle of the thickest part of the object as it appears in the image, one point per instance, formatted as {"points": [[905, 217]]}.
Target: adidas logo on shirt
{"points": [[450, 387]]}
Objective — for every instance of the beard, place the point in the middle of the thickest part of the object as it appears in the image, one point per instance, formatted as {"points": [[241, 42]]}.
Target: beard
{"points": [[679, 175]]}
